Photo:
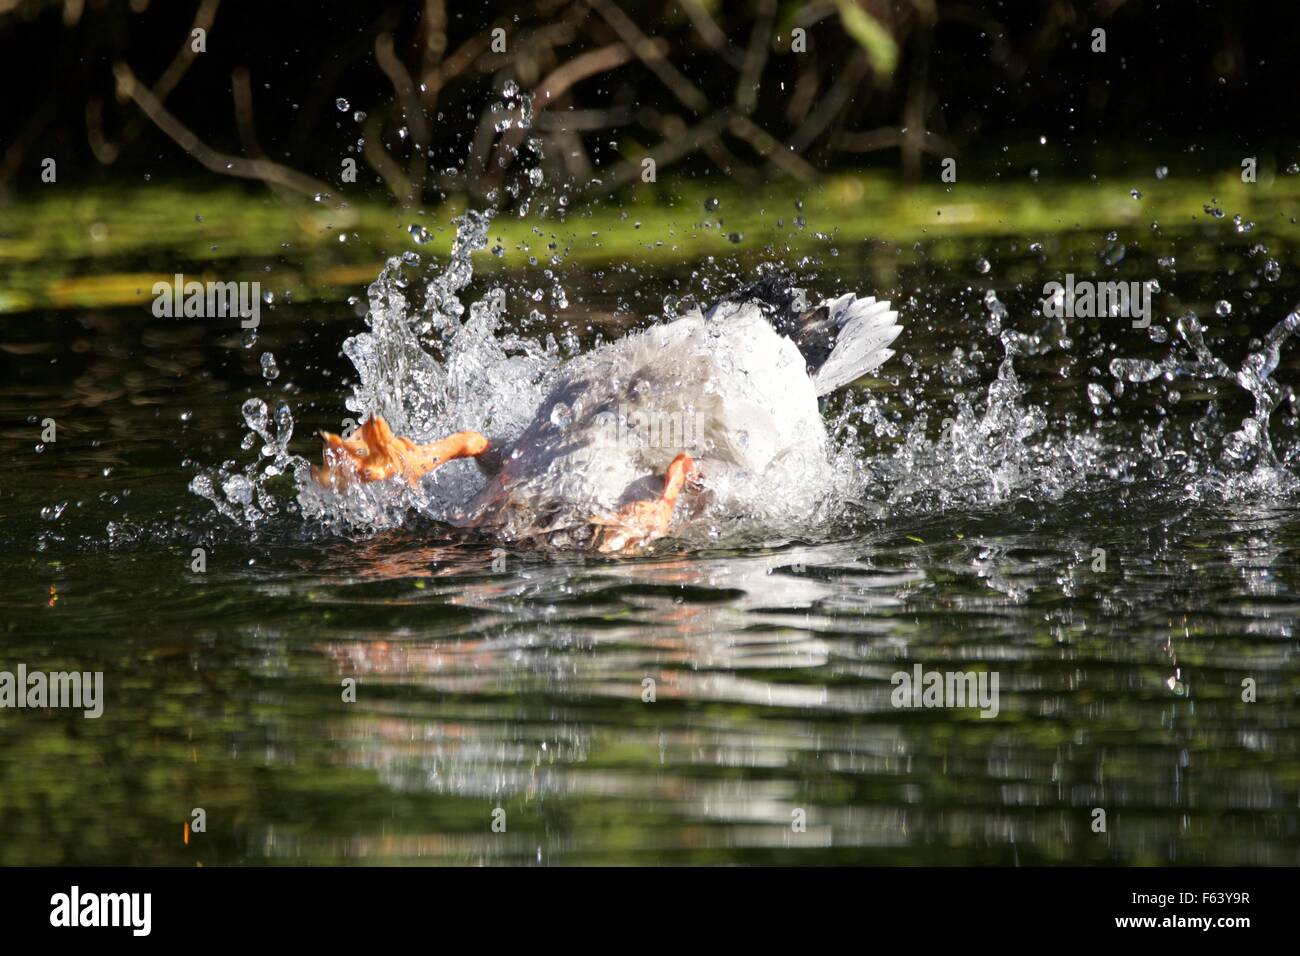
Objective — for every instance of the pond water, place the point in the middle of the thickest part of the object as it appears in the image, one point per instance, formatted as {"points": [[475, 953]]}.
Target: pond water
{"points": [[1010, 510]]}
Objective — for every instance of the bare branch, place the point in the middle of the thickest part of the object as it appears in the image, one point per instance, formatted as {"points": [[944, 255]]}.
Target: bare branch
{"points": [[832, 102], [669, 151], [263, 170], [710, 32], [776, 152], [107, 152], [379, 159], [888, 137], [412, 110], [600, 60], [760, 41], [647, 52]]}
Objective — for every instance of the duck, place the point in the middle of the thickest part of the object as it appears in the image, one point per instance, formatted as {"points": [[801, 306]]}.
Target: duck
{"points": [[637, 436]]}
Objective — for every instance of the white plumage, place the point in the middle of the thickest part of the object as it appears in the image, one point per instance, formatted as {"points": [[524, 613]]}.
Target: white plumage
{"points": [[727, 389]]}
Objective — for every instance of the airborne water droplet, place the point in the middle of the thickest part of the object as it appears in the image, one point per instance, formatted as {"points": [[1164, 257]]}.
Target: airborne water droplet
{"points": [[255, 414]]}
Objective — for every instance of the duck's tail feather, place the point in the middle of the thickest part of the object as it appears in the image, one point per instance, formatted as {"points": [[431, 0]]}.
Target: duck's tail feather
{"points": [[845, 339]]}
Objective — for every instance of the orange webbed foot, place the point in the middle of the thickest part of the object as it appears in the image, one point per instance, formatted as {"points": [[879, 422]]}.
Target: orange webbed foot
{"points": [[374, 453], [641, 522]]}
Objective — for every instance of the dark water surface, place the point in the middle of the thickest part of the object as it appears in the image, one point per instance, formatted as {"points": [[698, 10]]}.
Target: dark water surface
{"points": [[520, 687]]}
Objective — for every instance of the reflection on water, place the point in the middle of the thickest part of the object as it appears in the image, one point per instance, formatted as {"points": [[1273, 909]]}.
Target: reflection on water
{"points": [[525, 690], [518, 680]]}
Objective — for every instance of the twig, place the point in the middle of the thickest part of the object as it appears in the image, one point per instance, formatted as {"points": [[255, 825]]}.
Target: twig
{"points": [[760, 41], [451, 67], [914, 107], [711, 33], [647, 52], [104, 151], [412, 110], [776, 152], [600, 60], [433, 35], [260, 169], [379, 159], [669, 151], [730, 164], [180, 64], [831, 103], [584, 121], [107, 151], [887, 137], [241, 91]]}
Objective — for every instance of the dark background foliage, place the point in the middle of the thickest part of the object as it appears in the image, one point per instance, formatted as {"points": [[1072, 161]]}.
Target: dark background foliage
{"points": [[707, 84]]}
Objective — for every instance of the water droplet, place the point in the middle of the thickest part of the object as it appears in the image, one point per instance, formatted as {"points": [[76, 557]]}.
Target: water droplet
{"points": [[419, 233], [1098, 395], [1223, 308], [238, 489], [342, 104], [1162, 172], [711, 204], [270, 371], [255, 414], [982, 266], [1134, 370]]}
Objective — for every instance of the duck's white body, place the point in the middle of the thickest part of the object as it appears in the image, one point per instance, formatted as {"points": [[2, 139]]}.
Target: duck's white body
{"points": [[727, 389]]}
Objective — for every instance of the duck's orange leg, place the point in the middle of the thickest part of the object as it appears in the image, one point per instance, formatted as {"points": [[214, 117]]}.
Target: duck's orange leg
{"points": [[641, 522], [374, 453]]}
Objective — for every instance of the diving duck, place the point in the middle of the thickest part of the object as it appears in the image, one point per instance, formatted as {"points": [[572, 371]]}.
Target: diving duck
{"points": [[653, 424]]}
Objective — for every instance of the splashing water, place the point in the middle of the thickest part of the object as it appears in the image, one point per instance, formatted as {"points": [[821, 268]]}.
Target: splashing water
{"points": [[431, 365]]}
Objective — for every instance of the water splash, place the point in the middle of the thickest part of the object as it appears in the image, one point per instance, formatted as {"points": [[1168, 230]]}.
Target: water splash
{"points": [[245, 495], [435, 359]]}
